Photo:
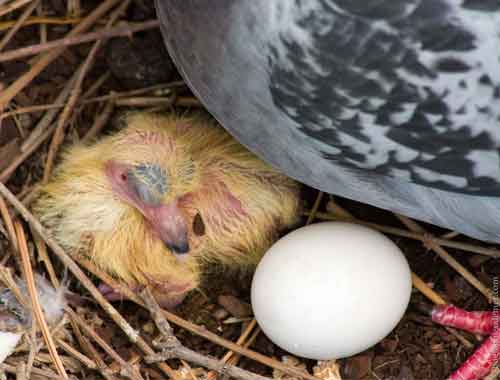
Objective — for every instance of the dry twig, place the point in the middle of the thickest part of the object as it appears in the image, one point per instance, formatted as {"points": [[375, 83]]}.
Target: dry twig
{"points": [[9, 224], [172, 348], [76, 354], [37, 371], [8, 94], [188, 101], [35, 20], [39, 134], [100, 122], [126, 368], [27, 12], [150, 101], [59, 133], [42, 26], [92, 351], [423, 237], [315, 207], [84, 101], [10, 7], [441, 252], [35, 303], [106, 33]]}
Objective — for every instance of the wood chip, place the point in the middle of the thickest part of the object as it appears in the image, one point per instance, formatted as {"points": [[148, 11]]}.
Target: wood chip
{"points": [[290, 361], [235, 306], [327, 370]]}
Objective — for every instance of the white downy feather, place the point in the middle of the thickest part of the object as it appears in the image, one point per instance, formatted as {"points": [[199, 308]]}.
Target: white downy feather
{"points": [[8, 342]]}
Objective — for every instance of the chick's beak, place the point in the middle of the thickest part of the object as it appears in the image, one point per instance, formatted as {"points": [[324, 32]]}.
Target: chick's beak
{"points": [[143, 186], [171, 226]]}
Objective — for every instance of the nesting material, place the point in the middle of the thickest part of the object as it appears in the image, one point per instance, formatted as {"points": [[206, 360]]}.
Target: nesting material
{"points": [[15, 318]]}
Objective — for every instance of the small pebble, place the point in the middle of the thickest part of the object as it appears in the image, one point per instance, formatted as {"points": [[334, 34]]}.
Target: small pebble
{"points": [[221, 314], [235, 306]]}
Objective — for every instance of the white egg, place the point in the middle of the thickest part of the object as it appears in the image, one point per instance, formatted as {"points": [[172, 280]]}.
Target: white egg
{"points": [[330, 290]]}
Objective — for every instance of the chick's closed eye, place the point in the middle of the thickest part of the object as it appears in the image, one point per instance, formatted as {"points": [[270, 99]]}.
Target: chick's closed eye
{"points": [[143, 187]]}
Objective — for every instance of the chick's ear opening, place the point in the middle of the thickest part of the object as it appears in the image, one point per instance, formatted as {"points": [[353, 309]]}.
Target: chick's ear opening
{"points": [[198, 225]]}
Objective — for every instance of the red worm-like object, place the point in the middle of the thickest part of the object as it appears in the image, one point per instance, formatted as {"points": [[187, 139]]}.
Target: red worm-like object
{"points": [[476, 322], [480, 363]]}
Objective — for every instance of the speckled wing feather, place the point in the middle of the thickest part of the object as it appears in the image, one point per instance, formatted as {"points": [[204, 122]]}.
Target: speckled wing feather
{"points": [[392, 103], [408, 89]]}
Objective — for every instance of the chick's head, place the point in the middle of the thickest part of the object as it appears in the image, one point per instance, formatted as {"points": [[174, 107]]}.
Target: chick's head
{"points": [[153, 182], [119, 202]]}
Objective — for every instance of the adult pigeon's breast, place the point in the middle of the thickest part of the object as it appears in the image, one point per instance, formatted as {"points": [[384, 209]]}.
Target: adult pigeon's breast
{"points": [[393, 103]]}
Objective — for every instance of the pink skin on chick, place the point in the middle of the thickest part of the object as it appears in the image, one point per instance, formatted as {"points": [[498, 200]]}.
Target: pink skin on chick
{"points": [[166, 220]]}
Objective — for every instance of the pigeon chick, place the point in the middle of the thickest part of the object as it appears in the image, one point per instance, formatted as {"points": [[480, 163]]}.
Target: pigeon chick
{"points": [[162, 197]]}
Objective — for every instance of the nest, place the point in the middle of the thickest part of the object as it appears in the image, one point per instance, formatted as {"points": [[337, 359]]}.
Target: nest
{"points": [[66, 69]]}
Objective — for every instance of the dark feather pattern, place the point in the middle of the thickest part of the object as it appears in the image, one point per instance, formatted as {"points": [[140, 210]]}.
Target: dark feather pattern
{"points": [[392, 103]]}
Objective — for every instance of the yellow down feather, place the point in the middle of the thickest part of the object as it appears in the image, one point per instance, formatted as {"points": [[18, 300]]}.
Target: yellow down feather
{"points": [[207, 169]]}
